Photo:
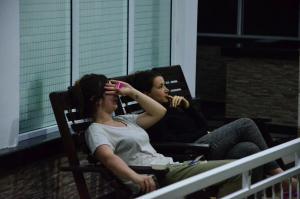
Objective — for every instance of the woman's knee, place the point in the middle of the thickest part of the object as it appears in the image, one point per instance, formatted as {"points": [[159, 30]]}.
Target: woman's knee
{"points": [[250, 125], [247, 121], [242, 149], [250, 147]]}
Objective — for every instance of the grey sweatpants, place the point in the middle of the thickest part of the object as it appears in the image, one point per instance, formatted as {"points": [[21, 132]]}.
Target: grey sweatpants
{"points": [[236, 140]]}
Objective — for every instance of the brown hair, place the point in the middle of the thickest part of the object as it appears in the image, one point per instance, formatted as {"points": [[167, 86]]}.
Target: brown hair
{"points": [[90, 89], [143, 80]]}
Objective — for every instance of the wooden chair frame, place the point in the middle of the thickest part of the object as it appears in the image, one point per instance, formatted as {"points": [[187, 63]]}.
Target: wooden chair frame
{"points": [[67, 113]]}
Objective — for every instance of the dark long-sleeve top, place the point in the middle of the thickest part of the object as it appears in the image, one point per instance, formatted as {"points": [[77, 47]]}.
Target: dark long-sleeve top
{"points": [[179, 125]]}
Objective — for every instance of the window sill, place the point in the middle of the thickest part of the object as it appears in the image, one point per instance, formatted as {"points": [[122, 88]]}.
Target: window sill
{"points": [[31, 150]]}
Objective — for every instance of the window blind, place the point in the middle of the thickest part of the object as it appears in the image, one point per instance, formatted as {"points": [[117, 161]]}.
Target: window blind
{"points": [[103, 37], [45, 59], [152, 33], [46, 55]]}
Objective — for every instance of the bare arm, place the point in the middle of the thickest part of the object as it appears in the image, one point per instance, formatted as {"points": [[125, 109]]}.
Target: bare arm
{"points": [[154, 111], [120, 168]]}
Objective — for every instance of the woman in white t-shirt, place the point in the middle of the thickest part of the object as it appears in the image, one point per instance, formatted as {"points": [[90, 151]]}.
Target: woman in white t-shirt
{"points": [[121, 141]]}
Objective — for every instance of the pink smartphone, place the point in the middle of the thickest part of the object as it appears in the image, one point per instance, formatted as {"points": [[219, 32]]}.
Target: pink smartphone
{"points": [[119, 85]]}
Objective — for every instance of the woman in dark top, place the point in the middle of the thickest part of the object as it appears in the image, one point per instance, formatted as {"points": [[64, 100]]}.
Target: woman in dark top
{"points": [[182, 123], [187, 130]]}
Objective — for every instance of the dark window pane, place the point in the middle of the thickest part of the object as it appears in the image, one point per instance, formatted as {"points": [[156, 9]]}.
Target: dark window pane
{"points": [[271, 17], [216, 16]]}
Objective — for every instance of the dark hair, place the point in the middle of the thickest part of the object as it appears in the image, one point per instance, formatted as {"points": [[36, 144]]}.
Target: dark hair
{"points": [[143, 80], [91, 88]]}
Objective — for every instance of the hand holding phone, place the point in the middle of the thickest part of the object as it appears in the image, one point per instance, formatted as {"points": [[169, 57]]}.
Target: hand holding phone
{"points": [[119, 85]]}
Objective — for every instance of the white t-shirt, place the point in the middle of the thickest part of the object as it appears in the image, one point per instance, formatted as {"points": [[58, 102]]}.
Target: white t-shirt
{"points": [[130, 143]]}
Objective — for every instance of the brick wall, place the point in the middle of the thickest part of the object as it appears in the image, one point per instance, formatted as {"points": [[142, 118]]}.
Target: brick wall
{"points": [[263, 88], [42, 179], [250, 87], [211, 74]]}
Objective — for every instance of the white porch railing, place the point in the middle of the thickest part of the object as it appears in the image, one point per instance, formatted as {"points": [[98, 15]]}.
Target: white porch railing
{"points": [[241, 166]]}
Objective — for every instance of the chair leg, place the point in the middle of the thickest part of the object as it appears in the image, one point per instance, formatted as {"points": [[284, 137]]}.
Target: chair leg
{"points": [[81, 185]]}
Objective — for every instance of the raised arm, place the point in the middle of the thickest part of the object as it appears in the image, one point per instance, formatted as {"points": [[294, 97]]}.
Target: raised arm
{"points": [[120, 168], [154, 111]]}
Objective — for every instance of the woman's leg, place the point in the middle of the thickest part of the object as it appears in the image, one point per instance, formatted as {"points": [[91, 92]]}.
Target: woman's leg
{"points": [[185, 170], [225, 144], [241, 150], [224, 139], [244, 149]]}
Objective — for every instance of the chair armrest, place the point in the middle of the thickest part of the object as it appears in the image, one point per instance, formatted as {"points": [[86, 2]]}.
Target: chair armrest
{"points": [[84, 168], [100, 168], [179, 147], [149, 170], [228, 119], [216, 122]]}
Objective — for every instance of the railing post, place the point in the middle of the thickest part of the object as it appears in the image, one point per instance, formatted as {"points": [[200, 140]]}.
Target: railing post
{"points": [[297, 158], [297, 163], [246, 177]]}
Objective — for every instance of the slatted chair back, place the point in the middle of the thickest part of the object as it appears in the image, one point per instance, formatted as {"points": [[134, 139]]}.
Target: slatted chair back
{"points": [[66, 112]]}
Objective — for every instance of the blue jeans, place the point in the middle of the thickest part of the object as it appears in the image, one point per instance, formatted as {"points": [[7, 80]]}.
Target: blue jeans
{"points": [[236, 140]]}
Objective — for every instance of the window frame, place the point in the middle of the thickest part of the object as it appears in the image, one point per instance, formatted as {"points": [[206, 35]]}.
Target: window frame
{"points": [[241, 36]]}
